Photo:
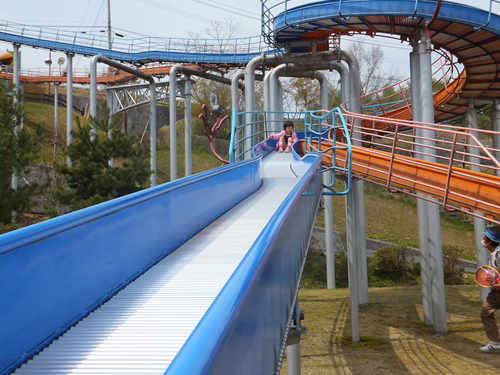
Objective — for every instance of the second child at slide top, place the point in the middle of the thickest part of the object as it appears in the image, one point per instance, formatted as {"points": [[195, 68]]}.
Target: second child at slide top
{"points": [[286, 138]]}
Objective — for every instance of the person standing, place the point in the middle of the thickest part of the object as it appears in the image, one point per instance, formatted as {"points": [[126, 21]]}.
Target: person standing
{"points": [[491, 241]]}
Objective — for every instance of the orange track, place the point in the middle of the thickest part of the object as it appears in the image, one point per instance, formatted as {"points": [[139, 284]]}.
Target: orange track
{"points": [[111, 78], [467, 189], [440, 98]]}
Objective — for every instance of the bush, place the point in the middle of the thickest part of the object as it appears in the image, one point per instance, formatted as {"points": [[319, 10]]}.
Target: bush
{"points": [[453, 269], [391, 261], [91, 180], [341, 269]]}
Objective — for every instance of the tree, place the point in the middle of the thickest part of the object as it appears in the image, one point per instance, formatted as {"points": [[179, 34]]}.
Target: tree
{"points": [[302, 94], [91, 180], [17, 152], [372, 76]]}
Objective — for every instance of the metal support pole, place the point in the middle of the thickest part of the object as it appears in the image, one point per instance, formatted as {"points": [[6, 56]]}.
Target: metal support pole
{"points": [[250, 102], [352, 265], [327, 180], [293, 343], [56, 119], [187, 121], [93, 93], [357, 186], [15, 80], [495, 124], [274, 96], [173, 121], [235, 102], [266, 91], [433, 219], [69, 103], [352, 216], [479, 224], [152, 121], [421, 204]]}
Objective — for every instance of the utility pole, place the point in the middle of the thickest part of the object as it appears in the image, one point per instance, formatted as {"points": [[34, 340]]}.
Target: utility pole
{"points": [[109, 24]]}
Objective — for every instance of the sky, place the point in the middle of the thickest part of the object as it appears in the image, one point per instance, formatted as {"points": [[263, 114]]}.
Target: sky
{"points": [[166, 18]]}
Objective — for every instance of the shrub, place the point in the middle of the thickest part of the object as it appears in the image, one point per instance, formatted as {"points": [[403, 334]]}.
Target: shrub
{"points": [[453, 269], [91, 180], [391, 261]]}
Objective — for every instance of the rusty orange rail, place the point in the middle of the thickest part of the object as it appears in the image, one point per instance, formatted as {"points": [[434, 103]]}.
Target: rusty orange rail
{"points": [[105, 76], [395, 161]]}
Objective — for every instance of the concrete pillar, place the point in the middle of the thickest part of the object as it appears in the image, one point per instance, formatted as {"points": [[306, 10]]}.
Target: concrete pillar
{"points": [[433, 219], [425, 273]]}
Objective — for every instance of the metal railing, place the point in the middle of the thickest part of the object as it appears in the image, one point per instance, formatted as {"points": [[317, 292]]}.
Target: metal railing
{"points": [[89, 44], [447, 75], [324, 124], [316, 126], [461, 154], [245, 136]]}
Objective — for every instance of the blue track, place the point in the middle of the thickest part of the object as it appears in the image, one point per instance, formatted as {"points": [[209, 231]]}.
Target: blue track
{"points": [[54, 273]]}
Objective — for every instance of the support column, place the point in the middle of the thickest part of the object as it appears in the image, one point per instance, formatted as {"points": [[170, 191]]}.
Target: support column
{"points": [[327, 180], [187, 122], [15, 81], [69, 102], [56, 104], [433, 219], [421, 204], [250, 103], [93, 93], [152, 121], [357, 186], [293, 342], [235, 101], [173, 121], [495, 124], [479, 224]]}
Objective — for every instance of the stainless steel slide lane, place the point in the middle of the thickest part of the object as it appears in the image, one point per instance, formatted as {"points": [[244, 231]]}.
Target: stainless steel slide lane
{"points": [[142, 328]]}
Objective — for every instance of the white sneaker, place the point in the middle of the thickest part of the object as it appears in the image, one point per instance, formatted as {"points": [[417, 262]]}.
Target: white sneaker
{"points": [[492, 346]]}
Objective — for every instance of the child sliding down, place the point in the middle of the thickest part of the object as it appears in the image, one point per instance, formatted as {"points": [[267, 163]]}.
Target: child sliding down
{"points": [[286, 138]]}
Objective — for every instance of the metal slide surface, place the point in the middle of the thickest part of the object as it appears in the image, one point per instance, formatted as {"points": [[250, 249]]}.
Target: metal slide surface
{"points": [[141, 329]]}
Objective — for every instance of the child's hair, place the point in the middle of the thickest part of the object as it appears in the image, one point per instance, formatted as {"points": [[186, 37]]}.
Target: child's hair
{"points": [[287, 124]]}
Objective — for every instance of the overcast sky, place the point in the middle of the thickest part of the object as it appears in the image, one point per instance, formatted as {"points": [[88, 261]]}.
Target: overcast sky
{"points": [[163, 18]]}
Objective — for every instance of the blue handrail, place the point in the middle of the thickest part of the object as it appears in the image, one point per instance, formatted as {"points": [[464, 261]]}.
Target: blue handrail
{"points": [[318, 125]]}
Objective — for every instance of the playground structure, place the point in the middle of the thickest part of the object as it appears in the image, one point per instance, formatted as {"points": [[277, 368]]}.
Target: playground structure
{"points": [[252, 312]]}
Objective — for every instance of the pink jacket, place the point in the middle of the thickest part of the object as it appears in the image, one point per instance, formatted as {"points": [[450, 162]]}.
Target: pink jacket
{"points": [[277, 137]]}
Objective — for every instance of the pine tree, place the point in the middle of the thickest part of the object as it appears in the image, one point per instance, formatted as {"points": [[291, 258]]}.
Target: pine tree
{"points": [[91, 179], [17, 151]]}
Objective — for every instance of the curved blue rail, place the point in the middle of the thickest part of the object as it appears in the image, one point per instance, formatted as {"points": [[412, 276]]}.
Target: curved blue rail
{"points": [[236, 51]]}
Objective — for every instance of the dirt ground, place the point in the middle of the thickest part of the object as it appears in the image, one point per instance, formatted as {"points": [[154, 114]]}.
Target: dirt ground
{"points": [[394, 337]]}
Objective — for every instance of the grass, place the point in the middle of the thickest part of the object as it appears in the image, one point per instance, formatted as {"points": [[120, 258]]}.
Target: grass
{"points": [[394, 339], [393, 218]]}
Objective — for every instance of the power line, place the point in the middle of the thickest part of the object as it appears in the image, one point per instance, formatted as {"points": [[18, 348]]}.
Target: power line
{"points": [[226, 10], [185, 14]]}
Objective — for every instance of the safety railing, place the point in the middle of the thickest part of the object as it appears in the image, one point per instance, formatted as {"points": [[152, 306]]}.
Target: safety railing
{"points": [[316, 127], [451, 163], [250, 128], [320, 126], [91, 44], [448, 76]]}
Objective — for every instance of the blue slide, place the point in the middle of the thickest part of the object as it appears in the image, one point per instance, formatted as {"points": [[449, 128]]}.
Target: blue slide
{"points": [[194, 276]]}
